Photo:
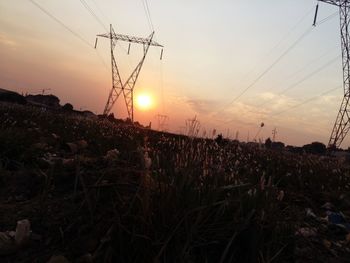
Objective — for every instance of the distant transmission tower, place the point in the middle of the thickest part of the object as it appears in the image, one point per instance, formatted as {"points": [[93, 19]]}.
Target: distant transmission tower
{"points": [[274, 133], [342, 123], [162, 122], [127, 88]]}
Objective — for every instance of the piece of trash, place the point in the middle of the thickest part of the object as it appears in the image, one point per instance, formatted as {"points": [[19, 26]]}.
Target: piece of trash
{"points": [[338, 219], [309, 213], [58, 259], [307, 232]]}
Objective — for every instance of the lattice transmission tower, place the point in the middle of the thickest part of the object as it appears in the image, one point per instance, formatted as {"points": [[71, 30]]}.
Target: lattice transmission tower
{"points": [[162, 122], [342, 123], [126, 88]]}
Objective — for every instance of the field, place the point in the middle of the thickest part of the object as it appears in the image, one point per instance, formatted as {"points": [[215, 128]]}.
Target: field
{"points": [[99, 191]]}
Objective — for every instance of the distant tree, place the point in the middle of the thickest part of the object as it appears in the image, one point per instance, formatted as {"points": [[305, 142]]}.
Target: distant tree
{"points": [[294, 149], [277, 145], [67, 107], [268, 143], [315, 148]]}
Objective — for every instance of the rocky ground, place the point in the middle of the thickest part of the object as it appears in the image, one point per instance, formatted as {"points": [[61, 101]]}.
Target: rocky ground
{"points": [[94, 190]]}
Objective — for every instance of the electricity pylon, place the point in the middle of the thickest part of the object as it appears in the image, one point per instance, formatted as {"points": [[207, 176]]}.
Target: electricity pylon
{"points": [[162, 122], [342, 123], [274, 133], [127, 88]]}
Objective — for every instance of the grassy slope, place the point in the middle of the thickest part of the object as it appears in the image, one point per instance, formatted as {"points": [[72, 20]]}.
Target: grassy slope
{"points": [[198, 202]]}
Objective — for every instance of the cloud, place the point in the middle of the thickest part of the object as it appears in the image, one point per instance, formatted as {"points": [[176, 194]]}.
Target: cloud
{"points": [[241, 113], [202, 106], [4, 40], [276, 101]]}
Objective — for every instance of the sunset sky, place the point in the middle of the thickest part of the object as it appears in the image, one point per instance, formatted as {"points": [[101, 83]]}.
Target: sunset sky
{"points": [[214, 50]]}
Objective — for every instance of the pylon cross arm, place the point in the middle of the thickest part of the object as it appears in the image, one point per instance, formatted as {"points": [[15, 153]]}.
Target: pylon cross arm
{"points": [[131, 39], [336, 2]]}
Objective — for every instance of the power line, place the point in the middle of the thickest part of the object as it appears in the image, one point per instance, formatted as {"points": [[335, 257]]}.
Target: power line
{"points": [[327, 18], [284, 37], [290, 48], [306, 77], [92, 13], [309, 63], [148, 14], [297, 105], [303, 79], [304, 102], [68, 29], [306, 66], [272, 50], [280, 57], [61, 23], [101, 12]]}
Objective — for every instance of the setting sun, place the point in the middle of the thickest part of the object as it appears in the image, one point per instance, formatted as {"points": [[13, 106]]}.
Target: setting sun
{"points": [[144, 102]]}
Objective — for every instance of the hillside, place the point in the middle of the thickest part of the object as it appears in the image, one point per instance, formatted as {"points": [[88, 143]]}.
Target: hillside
{"points": [[95, 190]]}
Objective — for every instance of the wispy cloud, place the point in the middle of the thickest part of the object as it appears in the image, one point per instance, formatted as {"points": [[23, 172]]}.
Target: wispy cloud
{"points": [[6, 41], [276, 101], [202, 106]]}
